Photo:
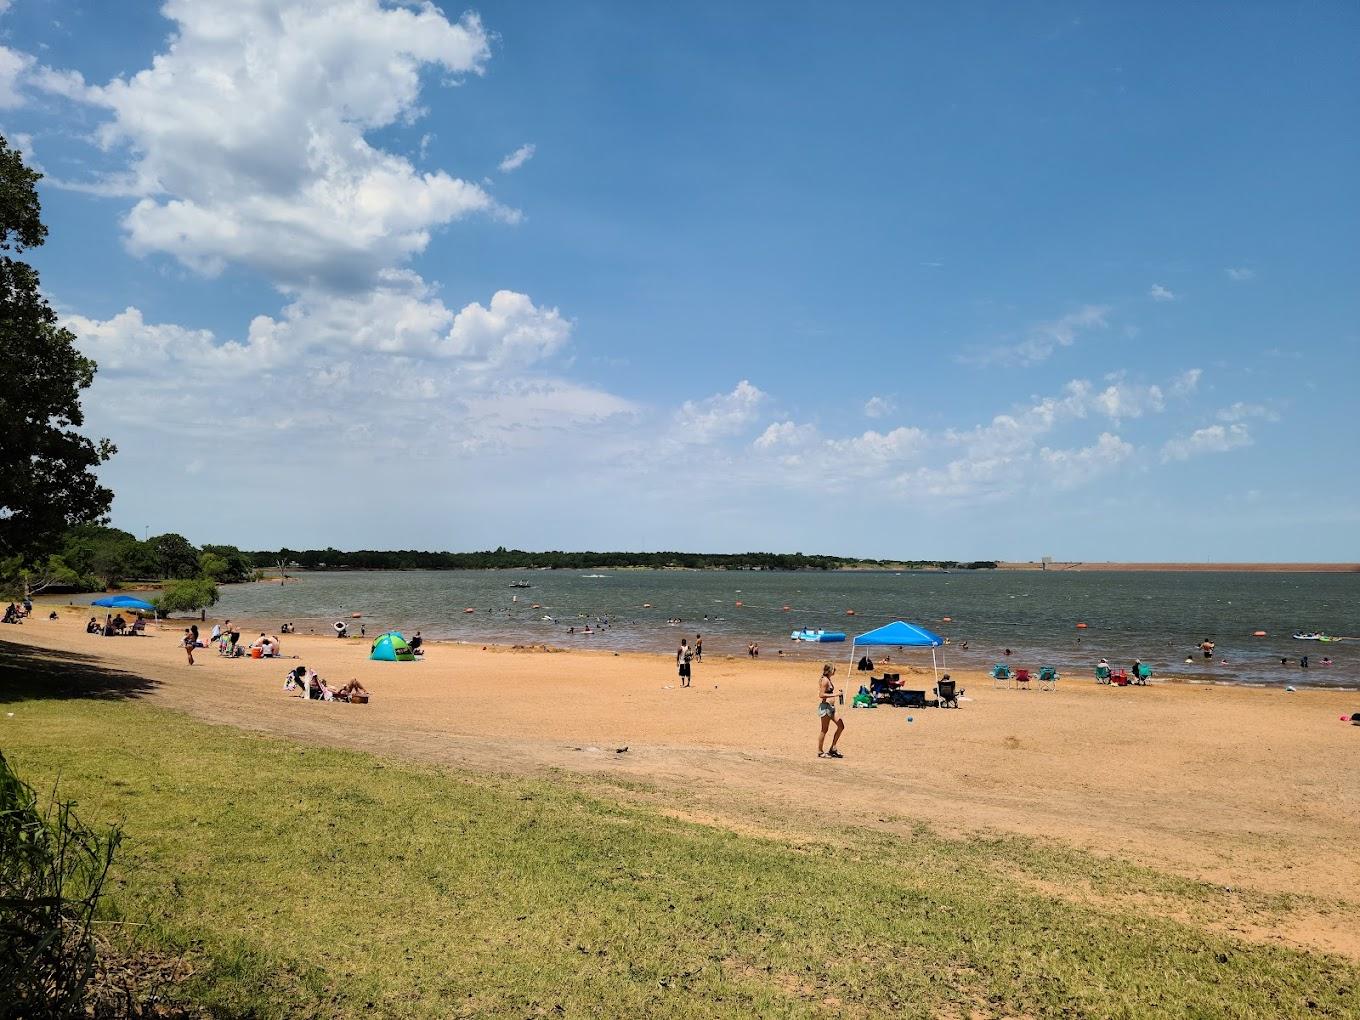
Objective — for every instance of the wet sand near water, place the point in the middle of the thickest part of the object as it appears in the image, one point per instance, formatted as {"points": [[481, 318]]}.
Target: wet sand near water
{"points": [[1254, 789]]}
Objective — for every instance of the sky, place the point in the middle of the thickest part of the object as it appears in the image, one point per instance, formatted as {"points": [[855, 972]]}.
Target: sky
{"points": [[971, 280]]}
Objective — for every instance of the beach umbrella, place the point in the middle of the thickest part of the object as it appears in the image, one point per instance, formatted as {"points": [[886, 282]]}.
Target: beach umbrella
{"points": [[123, 602]]}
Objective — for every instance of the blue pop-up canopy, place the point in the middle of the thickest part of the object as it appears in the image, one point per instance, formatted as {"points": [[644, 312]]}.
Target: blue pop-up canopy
{"points": [[123, 602], [903, 635]]}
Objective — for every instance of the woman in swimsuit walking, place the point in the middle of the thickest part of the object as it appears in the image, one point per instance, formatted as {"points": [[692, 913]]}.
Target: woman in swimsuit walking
{"points": [[826, 711]]}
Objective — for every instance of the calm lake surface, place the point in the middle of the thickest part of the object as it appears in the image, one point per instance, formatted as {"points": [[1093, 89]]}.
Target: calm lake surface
{"points": [[1159, 617]]}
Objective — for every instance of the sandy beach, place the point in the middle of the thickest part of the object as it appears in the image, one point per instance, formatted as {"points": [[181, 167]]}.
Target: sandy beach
{"points": [[1254, 790]]}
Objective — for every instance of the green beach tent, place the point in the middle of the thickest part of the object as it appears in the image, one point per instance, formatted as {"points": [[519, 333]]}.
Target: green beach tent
{"points": [[391, 647]]}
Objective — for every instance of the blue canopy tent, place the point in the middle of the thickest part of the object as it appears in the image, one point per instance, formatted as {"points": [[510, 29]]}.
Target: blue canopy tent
{"points": [[900, 634], [123, 602]]}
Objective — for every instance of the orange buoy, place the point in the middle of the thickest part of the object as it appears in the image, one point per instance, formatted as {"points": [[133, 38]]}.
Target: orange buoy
{"points": [[948, 619], [738, 603], [355, 616], [786, 609], [1258, 633], [646, 605], [1081, 626], [469, 610], [849, 612]]}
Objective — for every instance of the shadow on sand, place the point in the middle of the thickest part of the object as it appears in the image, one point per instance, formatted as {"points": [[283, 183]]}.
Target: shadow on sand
{"points": [[28, 673]]}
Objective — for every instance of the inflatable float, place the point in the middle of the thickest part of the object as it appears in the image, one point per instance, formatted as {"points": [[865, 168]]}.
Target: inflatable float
{"points": [[808, 634]]}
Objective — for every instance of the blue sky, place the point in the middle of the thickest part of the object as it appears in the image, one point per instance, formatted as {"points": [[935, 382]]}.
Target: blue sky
{"points": [[892, 280]]}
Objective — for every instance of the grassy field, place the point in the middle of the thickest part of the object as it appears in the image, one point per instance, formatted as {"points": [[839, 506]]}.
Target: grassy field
{"points": [[302, 881]]}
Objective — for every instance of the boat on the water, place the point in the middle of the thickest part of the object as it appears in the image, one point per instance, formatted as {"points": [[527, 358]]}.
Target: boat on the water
{"points": [[808, 634], [520, 584]]}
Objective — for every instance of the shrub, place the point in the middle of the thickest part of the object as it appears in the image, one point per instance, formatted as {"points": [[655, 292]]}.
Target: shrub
{"points": [[187, 596], [52, 870]]}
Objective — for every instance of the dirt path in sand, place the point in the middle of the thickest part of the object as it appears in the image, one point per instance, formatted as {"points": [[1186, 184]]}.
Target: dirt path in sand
{"points": [[1241, 787]]}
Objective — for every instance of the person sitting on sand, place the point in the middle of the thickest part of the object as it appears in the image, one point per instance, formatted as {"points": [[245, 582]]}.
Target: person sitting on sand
{"points": [[415, 644], [826, 711], [92, 627], [350, 691], [52, 615], [119, 624]]}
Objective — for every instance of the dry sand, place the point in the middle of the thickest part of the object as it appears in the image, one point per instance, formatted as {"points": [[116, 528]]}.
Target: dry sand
{"points": [[1249, 788]]}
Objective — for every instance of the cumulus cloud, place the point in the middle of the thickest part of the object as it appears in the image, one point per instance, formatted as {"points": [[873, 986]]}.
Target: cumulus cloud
{"points": [[1048, 441], [1159, 293], [13, 65], [247, 137], [1211, 439], [879, 407], [395, 361], [517, 159], [1241, 411], [1044, 338], [1186, 383], [1122, 400], [725, 414]]}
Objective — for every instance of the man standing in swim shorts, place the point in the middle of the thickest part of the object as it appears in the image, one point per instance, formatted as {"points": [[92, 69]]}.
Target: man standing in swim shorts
{"points": [[826, 711], [683, 660]]}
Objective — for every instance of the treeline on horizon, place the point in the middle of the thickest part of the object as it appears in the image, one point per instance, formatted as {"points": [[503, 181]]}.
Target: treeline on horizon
{"points": [[508, 559]]}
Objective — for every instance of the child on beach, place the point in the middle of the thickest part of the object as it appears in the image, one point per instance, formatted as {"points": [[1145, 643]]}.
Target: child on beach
{"points": [[190, 643], [826, 711]]}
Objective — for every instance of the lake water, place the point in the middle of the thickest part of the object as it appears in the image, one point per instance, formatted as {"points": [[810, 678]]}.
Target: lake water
{"points": [[1159, 617]]}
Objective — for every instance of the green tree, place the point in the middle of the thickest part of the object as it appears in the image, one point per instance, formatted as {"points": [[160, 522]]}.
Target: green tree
{"points": [[175, 556], [47, 479], [212, 566], [187, 596]]}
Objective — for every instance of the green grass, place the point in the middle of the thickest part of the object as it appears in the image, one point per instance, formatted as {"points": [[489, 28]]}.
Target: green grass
{"points": [[313, 882]]}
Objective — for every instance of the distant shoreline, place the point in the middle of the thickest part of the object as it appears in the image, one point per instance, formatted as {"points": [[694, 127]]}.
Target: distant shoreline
{"points": [[1263, 568]]}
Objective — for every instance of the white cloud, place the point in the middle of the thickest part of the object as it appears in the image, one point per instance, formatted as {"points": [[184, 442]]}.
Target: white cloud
{"points": [[395, 362], [1212, 439], [1068, 469], [517, 159], [1186, 383], [1122, 400], [1046, 337], [785, 435], [1240, 274], [1159, 293], [1241, 411], [13, 64], [247, 137], [879, 407], [724, 414]]}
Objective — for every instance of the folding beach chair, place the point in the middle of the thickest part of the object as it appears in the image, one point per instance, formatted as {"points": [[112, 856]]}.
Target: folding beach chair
{"points": [[1001, 675], [947, 693], [1048, 679], [1022, 679], [1142, 674], [1102, 674]]}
